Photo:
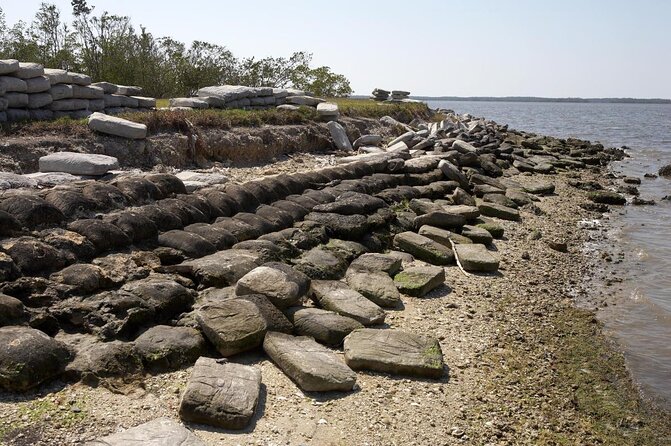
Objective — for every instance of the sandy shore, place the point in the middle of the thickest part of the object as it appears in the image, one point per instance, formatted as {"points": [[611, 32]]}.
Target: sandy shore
{"points": [[525, 365]]}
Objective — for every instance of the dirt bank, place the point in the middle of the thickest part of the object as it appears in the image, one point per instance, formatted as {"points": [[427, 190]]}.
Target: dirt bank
{"points": [[189, 147]]}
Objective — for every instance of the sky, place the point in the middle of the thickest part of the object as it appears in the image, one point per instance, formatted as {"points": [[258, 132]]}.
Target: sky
{"points": [[560, 48]]}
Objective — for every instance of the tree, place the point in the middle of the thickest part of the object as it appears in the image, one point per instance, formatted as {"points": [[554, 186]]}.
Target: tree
{"points": [[322, 82], [53, 39]]}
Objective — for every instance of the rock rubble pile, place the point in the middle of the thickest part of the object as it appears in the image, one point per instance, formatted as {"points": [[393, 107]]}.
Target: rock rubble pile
{"points": [[106, 279]]}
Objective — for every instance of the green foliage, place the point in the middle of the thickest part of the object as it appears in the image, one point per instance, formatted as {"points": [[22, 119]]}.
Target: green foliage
{"points": [[109, 48]]}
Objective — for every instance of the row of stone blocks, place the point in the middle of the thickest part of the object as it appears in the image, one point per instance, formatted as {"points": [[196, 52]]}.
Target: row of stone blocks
{"points": [[30, 91]]}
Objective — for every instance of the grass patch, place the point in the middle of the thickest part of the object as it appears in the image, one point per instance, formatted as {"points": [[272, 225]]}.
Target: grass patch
{"points": [[185, 120]]}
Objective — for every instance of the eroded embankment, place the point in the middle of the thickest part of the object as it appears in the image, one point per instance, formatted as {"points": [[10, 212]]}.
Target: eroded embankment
{"points": [[187, 147]]}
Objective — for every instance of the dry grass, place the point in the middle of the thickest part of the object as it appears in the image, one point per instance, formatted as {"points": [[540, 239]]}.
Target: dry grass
{"points": [[182, 120]]}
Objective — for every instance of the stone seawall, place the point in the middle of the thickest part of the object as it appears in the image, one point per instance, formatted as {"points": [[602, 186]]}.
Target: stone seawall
{"points": [[344, 277]]}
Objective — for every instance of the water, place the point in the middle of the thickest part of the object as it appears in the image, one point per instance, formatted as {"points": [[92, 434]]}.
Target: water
{"points": [[641, 320]]}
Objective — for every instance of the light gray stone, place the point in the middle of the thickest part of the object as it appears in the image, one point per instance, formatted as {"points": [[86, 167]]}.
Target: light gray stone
{"points": [[453, 173], [313, 367], [327, 110], [423, 248], [128, 90], [79, 78], [419, 280], [57, 76], [496, 210], [442, 236], [278, 286], [78, 163], [339, 136], [324, 326], [377, 287], [220, 269], [477, 235], [69, 105], [375, 262], [39, 100], [116, 126], [232, 326], [393, 351], [61, 91], [463, 147], [8, 66], [303, 100], [28, 70], [87, 92], [337, 296], [159, 432], [37, 84], [188, 102], [367, 140], [11, 83], [476, 258], [221, 394], [145, 102]]}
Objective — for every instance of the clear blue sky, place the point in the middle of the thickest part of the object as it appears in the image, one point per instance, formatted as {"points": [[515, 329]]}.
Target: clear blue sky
{"points": [[588, 48]]}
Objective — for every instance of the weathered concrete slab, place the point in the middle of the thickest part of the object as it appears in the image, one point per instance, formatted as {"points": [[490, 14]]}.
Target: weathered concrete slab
{"points": [[376, 262], [324, 326], [281, 288], [159, 432], [78, 163], [377, 287], [233, 326], [423, 248], [337, 296], [393, 351], [442, 236], [419, 280], [312, 366], [477, 258], [221, 394], [111, 125], [496, 210]]}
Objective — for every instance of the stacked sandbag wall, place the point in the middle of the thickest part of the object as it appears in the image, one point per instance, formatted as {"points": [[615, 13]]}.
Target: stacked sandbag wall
{"points": [[28, 91]]}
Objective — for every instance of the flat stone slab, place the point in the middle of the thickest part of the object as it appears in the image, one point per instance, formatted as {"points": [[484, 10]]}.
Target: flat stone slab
{"points": [[312, 366], [220, 269], [541, 188], [393, 351], [158, 432], [111, 125], [233, 326], [477, 235], [375, 262], [78, 163], [468, 212], [320, 263], [419, 280], [476, 258], [327, 109], [453, 173], [377, 287], [498, 211], [221, 394], [423, 248], [442, 236], [440, 219], [337, 296], [278, 286], [324, 326]]}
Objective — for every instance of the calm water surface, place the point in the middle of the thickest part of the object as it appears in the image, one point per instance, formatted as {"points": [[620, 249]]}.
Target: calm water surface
{"points": [[642, 319]]}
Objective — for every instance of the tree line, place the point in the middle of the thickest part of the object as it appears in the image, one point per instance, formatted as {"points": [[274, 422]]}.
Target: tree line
{"points": [[109, 48]]}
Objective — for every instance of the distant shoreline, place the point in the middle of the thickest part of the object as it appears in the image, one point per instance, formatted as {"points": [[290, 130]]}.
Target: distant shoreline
{"points": [[536, 99]]}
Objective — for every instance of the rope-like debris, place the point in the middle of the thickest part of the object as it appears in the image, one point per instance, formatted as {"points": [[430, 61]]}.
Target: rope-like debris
{"points": [[456, 257]]}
